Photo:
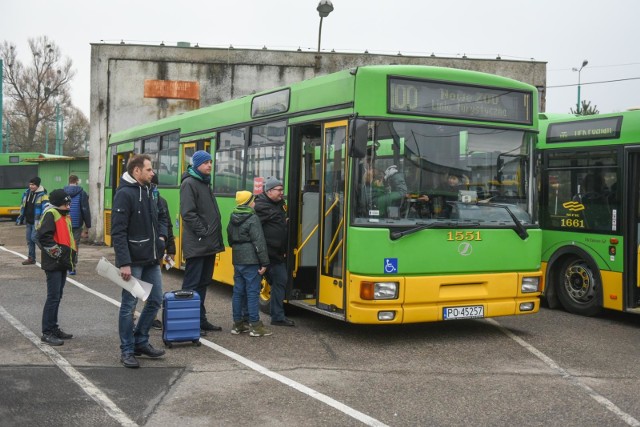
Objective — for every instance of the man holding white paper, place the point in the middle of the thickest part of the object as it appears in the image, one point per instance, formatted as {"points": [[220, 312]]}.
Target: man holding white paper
{"points": [[138, 234]]}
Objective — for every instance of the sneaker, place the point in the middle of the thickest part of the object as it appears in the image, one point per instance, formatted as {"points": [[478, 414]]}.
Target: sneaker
{"points": [[148, 350], [206, 326], [51, 339], [129, 361], [156, 324], [71, 273], [283, 322], [29, 261], [62, 334], [258, 330], [239, 327]]}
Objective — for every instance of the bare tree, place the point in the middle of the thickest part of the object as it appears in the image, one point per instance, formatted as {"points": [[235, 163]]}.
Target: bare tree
{"points": [[33, 92]]}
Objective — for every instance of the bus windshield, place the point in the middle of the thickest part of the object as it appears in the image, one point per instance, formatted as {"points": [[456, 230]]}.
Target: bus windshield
{"points": [[417, 173]]}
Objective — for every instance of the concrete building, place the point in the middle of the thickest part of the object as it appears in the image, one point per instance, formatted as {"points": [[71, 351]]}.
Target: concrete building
{"points": [[135, 84]]}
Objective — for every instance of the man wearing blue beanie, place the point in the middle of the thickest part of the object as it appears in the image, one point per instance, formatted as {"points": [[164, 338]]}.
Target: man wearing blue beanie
{"points": [[202, 230]]}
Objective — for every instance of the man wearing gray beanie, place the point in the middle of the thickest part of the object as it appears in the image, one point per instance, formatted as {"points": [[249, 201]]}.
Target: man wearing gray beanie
{"points": [[271, 210]]}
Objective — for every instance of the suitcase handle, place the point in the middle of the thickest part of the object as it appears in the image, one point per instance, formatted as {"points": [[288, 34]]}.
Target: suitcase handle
{"points": [[183, 294]]}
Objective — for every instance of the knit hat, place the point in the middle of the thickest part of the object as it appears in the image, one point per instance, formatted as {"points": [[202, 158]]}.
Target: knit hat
{"points": [[244, 198], [59, 198], [199, 157], [271, 182], [35, 181]]}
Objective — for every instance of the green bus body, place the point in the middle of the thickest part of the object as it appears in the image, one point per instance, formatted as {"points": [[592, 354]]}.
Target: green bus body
{"points": [[589, 211], [16, 169], [416, 256]]}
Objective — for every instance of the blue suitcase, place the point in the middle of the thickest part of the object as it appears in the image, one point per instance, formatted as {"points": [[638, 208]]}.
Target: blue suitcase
{"points": [[180, 317]]}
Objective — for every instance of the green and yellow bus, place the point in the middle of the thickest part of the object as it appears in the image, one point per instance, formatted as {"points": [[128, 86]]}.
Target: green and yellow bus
{"points": [[15, 173], [402, 250], [590, 211]]}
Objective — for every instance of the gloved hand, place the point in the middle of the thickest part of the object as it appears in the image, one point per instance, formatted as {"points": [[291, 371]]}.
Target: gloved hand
{"points": [[54, 251]]}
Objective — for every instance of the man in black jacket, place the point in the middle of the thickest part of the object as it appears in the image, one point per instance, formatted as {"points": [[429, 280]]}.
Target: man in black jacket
{"points": [[270, 208], [201, 231], [138, 233]]}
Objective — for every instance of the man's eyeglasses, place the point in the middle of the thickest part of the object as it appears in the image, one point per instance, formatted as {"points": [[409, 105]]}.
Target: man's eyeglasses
{"points": [[280, 189]]}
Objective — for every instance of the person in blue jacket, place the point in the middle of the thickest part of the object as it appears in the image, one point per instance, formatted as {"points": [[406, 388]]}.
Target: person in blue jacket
{"points": [[79, 211], [34, 201], [138, 235]]}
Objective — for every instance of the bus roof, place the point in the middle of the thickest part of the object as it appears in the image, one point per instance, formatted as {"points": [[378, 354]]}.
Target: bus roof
{"points": [[336, 91], [591, 130]]}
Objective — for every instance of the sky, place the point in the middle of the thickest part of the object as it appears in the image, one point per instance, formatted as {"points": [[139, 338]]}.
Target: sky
{"points": [[562, 33]]}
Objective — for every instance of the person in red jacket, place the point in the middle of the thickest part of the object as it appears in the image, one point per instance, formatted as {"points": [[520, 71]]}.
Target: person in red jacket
{"points": [[58, 248]]}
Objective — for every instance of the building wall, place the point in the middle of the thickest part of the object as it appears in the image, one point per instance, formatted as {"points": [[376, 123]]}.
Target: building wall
{"points": [[119, 72]]}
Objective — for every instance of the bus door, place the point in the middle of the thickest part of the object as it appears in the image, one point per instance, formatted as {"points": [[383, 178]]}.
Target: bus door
{"points": [[632, 233], [332, 220], [187, 154], [120, 161]]}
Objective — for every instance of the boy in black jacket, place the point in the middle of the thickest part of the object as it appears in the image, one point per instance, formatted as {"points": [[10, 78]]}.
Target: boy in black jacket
{"points": [[55, 238]]}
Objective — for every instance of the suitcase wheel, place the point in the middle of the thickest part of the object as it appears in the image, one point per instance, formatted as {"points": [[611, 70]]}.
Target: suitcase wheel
{"points": [[168, 344], [197, 343]]}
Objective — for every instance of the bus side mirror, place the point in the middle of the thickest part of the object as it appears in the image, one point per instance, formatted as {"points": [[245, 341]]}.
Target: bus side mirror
{"points": [[359, 137]]}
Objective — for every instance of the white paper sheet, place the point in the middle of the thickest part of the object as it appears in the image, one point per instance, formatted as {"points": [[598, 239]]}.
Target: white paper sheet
{"points": [[136, 287]]}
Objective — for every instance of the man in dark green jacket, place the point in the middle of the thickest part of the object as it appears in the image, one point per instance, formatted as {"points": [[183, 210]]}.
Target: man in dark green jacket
{"points": [[201, 231]]}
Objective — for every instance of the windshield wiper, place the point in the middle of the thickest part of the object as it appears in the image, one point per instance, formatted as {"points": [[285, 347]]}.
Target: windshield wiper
{"points": [[520, 230], [395, 235]]}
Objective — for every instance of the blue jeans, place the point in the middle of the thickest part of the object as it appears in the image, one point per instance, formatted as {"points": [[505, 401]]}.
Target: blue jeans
{"points": [[277, 277], [197, 276], [246, 292], [55, 285], [32, 237], [129, 339]]}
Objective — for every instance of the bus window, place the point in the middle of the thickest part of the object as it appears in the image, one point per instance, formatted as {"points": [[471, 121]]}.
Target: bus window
{"points": [[418, 171], [582, 191], [168, 167], [266, 153], [229, 162]]}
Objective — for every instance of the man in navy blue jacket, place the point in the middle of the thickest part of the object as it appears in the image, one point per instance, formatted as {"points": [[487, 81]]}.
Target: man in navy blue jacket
{"points": [[80, 211], [138, 234]]}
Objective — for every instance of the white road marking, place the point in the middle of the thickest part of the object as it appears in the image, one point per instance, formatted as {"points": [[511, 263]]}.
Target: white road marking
{"points": [[87, 386], [609, 405], [364, 418]]}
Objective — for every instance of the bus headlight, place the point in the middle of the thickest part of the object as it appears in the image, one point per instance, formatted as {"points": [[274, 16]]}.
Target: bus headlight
{"points": [[378, 290], [526, 306], [530, 284]]}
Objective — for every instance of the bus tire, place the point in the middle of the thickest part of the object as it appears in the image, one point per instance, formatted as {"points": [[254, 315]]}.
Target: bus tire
{"points": [[265, 297], [579, 286]]}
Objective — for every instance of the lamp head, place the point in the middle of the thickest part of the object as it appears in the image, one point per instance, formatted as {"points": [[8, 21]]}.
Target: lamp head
{"points": [[325, 7], [584, 63]]}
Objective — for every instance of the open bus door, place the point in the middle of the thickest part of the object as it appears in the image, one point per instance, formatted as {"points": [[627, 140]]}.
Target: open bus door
{"points": [[318, 266], [119, 163], [632, 233]]}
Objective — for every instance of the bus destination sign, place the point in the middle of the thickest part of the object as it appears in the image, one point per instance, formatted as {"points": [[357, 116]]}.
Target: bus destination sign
{"points": [[436, 98], [585, 130]]}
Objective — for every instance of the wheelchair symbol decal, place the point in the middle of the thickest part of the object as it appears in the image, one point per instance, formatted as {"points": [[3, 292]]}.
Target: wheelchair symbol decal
{"points": [[390, 265]]}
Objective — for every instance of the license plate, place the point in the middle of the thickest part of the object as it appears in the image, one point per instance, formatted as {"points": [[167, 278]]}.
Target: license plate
{"points": [[466, 312]]}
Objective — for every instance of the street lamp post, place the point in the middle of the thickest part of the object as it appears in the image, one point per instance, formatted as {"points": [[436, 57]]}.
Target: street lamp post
{"points": [[325, 7], [584, 64]]}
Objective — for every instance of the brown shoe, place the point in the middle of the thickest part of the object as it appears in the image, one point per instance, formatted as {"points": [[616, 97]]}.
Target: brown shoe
{"points": [[28, 261]]}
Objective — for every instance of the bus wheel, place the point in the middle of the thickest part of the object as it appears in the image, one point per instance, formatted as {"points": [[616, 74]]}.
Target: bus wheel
{"points": [[265, 297], [579, 287]]}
